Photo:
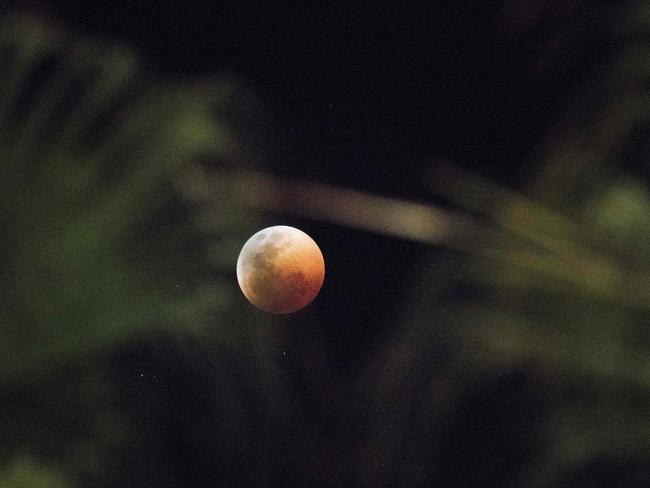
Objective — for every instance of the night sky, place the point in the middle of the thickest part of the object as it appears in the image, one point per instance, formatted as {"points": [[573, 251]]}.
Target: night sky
{"points": [[364, 95], [367, 96]]}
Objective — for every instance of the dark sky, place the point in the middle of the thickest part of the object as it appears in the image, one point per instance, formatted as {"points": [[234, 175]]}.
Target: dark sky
{"points": [[365, 95], [362, 93]]}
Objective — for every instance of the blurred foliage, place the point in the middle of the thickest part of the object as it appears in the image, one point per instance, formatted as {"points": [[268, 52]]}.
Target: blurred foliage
{"points": [[97, 237], [24, 472], [553, 301], [99, 248]]}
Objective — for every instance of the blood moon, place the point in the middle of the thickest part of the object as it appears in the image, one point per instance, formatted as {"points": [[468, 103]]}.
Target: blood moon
{"points": [[280, 269]]}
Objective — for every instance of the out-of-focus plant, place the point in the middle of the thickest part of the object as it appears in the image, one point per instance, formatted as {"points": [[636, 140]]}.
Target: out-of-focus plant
{"points": [[25, 472], [557, 288], [98, 246]]}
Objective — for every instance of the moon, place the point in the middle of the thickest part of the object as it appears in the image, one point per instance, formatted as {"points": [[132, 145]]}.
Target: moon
{"points": [[280, 269]]}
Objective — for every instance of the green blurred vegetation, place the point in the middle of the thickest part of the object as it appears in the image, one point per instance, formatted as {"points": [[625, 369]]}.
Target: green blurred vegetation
{"points": [[558, 288], [98, 248], [96, 237], [24, 472]]}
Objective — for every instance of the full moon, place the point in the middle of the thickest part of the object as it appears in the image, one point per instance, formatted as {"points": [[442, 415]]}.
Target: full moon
{"points": [[280, 269]]}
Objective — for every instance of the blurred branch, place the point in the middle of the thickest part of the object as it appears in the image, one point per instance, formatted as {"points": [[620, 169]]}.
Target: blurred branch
{"points": [[387, 216], [526, 235]]}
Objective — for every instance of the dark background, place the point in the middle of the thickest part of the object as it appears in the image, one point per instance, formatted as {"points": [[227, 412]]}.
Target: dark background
{"points": [[366, 96], [363, 95]]}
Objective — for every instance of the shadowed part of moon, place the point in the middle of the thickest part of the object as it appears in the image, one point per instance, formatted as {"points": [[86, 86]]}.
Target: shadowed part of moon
{"points": [[280, 269]]}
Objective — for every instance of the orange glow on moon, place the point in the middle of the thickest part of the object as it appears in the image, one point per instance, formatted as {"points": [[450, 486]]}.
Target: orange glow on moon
{"points": [[280, 269]]}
